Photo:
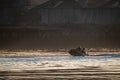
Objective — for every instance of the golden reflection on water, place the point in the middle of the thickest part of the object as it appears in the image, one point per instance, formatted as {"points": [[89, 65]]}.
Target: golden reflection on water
{"points": [[60, 68]]}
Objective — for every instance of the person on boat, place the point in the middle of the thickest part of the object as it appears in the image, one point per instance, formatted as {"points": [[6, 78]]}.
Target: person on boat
{"points": [[81, 51], [84, 51], [79, 48]]}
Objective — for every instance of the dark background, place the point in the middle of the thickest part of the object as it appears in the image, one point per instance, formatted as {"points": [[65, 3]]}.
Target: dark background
{"points": [[24, 25]]}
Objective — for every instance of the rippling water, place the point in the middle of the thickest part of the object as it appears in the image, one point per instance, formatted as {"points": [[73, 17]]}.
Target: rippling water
{"points": [[60, 62]]}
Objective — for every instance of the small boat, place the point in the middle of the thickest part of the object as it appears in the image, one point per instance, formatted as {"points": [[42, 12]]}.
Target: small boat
{"points": [[75, 52]]}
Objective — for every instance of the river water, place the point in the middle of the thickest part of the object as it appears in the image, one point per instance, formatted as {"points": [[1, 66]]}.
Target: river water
{"points": [[105, 61]]}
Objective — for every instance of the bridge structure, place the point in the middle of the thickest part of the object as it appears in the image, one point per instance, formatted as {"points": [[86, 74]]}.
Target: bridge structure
{"points": [[42, 11], [82, 3], [72, 12]]}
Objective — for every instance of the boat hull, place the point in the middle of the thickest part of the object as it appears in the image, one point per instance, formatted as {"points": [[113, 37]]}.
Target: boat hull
{"points": [[74, 52]]}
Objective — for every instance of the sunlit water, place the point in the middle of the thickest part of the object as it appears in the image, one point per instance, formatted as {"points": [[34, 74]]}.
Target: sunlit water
{"points": [[60, 62]]}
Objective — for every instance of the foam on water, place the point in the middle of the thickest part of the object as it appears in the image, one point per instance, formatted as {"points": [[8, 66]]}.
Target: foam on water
{"points": [[60, 62]]}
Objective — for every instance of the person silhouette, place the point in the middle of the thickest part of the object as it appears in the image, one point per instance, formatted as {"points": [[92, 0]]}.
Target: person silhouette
{"points": [[79, 48], [84, 51]]}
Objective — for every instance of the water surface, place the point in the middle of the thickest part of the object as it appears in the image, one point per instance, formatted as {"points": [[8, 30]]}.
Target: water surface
{"points": [[105, 61]]}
